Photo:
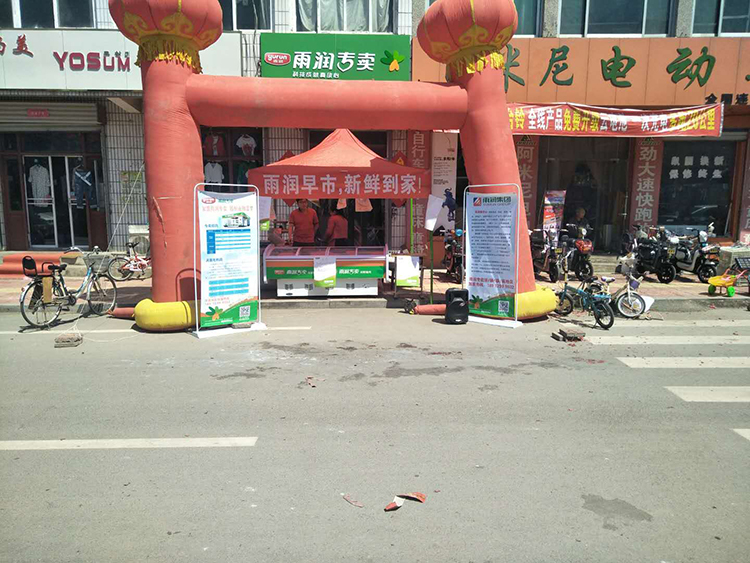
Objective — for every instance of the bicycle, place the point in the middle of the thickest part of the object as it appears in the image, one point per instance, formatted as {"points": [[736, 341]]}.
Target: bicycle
{"points": [[598, 304], [45, 296], [122, 268]]}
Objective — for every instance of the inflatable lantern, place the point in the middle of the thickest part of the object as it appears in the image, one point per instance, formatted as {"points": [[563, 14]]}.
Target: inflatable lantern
{"points": [[177, 100]]}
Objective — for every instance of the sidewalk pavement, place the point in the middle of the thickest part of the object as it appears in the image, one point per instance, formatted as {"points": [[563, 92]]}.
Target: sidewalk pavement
{"points": [[683, 294]]}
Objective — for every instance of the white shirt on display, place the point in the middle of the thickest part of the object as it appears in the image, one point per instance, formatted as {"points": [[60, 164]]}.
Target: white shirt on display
{"points": [[247, 145], [214, 173]]}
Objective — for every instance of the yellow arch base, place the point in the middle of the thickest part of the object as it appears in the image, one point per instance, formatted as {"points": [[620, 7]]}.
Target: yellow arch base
{"points": [[165, 317], [535, 304]]}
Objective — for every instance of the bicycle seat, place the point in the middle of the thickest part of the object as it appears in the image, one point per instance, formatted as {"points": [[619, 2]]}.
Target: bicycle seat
{"points": [[607, 279], [132, 244], [54, 267]]}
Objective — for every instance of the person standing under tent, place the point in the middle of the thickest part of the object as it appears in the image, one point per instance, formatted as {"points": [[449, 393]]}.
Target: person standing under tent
{"points": [[303, 224]]}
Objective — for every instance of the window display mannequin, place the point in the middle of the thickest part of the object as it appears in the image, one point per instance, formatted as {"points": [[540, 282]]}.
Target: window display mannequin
{"points": [[83, 183], [39, 181]]}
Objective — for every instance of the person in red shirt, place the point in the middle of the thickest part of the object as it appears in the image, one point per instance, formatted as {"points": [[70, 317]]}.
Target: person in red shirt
{"points": [[303, 224], [337, 233]]}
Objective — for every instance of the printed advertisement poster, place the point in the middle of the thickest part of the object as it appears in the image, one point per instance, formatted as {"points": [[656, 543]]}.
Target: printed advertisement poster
{"points": [[324, 271], [491, 223], [554, 205], [444, 162], [229, 258], [407, 271]]}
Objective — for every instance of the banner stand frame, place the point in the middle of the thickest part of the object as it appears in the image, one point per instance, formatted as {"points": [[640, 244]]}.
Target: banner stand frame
{"points": [[515, 323], [259, 324]]}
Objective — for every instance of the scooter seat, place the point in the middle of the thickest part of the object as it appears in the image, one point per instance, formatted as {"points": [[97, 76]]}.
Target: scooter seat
{"points": [[607, 279]]}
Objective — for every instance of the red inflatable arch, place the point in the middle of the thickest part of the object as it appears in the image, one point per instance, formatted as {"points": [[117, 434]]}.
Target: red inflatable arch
{"points": [[467, 35]]}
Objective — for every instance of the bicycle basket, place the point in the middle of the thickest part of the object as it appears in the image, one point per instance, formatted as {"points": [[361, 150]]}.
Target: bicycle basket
{"points": [[97, 262], [584, 246]]}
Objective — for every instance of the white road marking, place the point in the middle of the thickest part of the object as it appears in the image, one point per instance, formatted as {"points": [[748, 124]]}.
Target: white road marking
{"points": [[712, 394], [744, 432], [698, 340], [684, 324], [127, 330], [687, 362], [137, 443]]}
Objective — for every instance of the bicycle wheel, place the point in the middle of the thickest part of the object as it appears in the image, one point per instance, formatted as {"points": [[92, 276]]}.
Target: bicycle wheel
{"points": [[630, 306], [564, 305], [34, 310], [118, 268], [603, 314], [102, 294]]}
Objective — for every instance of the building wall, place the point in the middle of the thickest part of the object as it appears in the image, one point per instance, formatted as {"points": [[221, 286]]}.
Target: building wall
{"points": [[124, 171]]}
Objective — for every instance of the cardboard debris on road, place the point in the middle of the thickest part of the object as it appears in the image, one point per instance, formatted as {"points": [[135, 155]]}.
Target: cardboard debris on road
{"points": [[353, 502], [68, 340], [398, 500]]}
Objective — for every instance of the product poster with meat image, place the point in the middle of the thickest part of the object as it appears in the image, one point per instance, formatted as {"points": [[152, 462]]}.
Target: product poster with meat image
{"points": [[491, 223], [229, 258]]}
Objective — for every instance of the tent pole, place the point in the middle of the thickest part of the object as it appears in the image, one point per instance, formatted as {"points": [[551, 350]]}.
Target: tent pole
{"points": [[432, 265], [411, 225]]}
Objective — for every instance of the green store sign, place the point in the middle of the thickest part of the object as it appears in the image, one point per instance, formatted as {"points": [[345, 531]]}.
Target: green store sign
{"points": [[343, 272], [335, 57]]}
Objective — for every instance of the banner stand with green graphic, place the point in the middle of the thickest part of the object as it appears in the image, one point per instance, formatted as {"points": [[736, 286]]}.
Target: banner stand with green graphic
{"points": [[230, 222], [488, 215]]}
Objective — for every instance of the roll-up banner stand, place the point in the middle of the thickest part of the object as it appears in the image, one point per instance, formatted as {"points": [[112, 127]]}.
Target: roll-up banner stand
{"points": [[229, 248], [491, 223]]}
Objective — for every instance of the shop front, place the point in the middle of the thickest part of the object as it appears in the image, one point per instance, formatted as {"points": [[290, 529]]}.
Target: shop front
{"points": [[71, 136], [343, 186], [337, 58], [52, 180], [691, 176]]}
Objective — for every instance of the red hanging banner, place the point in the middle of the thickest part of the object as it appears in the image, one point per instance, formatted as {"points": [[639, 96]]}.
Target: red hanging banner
{"points": [[527, 153], [577, 120], [644, 202]]}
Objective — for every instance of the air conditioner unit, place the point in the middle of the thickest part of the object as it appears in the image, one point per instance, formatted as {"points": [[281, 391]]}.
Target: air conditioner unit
{"points": [[139, 234]]}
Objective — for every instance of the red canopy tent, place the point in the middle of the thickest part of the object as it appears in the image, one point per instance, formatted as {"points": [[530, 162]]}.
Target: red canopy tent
{"points": [[340, 167]]}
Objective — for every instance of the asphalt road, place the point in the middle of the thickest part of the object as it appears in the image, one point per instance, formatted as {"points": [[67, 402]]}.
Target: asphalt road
{"points": [[528, 449]]}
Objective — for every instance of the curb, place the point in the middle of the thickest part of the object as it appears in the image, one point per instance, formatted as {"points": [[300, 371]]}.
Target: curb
{"points": [[668, 305]]}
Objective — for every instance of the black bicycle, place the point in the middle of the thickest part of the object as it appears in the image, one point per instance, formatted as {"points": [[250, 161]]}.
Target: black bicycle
{"points": [[46, 295]]}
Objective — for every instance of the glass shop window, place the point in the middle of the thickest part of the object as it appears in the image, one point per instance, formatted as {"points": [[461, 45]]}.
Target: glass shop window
{"points": [[696, 185]]}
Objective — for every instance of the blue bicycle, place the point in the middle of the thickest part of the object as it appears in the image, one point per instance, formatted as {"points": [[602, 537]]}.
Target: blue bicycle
{"points": [[597, 303], [44, 298]]}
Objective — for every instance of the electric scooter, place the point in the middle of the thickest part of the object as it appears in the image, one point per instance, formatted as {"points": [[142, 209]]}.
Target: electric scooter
{"points": [[694, 255], [454, 255], [544, 253], [579, 260], [656, 254]]}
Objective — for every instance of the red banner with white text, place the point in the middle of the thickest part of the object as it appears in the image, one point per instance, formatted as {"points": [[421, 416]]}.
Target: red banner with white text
{"points": [[591, 121]]}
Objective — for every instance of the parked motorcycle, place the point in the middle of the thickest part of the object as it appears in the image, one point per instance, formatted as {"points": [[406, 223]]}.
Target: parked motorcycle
{"points": [[454, 255], [544, 253], [656, 255], [578, 257], [693, 254]]}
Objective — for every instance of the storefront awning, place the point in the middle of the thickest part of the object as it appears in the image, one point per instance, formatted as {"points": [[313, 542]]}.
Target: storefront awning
{"points": [[340, 167]]}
